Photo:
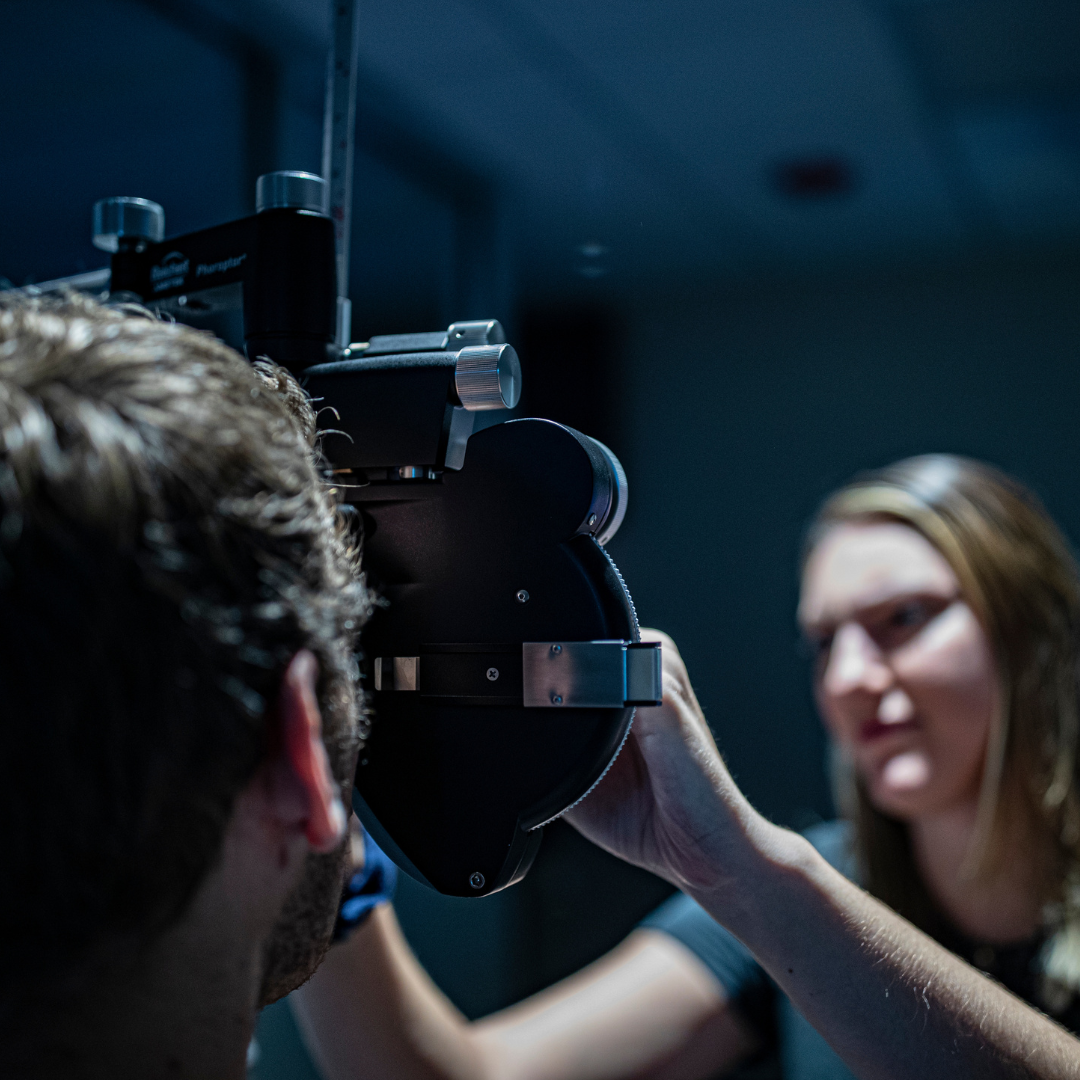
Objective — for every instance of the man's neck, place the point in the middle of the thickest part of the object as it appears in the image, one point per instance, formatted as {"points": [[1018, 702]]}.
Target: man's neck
{"points": [[998, 906], [182, 1009]]}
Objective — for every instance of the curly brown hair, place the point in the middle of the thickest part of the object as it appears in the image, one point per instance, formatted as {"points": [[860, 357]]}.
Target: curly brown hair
{"points": [[168, 541]]}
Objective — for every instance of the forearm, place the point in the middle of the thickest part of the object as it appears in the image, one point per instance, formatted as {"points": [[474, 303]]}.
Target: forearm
{"points": [[890, 1000], [371, 1011], [648, 1009]]}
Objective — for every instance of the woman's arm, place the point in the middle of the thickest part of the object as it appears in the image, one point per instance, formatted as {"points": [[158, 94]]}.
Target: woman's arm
{"points": [[371, 1011], [649, 1009], [890, 1000]]}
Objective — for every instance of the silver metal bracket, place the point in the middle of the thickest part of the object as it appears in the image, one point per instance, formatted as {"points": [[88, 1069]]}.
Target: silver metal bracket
{"points": [[551, 675], [396, 672], [590, 674], [344, 321], [459, 335], [462, 422]]}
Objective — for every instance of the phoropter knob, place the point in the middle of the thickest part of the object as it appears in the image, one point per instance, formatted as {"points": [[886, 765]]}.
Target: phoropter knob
{"points": [[133, 219], [487, 377], [291, 191]]}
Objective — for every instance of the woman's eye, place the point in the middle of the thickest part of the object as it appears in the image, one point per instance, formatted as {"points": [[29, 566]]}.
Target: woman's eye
{"points": [[819, 645], [908, 615]]}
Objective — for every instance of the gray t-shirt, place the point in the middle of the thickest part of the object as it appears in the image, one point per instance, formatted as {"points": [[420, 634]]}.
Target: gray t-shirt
{"points": [[804, 1054]]}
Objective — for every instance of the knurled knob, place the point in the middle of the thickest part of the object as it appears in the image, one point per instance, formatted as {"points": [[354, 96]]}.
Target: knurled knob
{"points": [[291, 191], [136, 219], [487, 377]]}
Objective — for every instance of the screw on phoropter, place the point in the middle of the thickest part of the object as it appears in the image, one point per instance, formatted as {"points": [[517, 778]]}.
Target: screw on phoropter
{"points": [[476, 880]]}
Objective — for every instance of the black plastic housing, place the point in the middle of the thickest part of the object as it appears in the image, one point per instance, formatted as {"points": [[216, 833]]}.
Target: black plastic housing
{"points": [[457, 788], [277, 266], [394, 409]]}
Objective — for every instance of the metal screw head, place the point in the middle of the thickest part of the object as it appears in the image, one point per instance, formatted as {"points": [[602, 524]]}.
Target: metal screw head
{"points": [[476, 879], [556, 699], [522, 596], [556, 649], [492, 674]]}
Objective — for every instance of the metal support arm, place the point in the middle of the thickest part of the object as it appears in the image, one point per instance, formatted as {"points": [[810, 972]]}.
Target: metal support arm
{"points": [[537, 674]]}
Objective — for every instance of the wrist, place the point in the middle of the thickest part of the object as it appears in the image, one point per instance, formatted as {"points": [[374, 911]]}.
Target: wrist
{"points": [[747, 879]]}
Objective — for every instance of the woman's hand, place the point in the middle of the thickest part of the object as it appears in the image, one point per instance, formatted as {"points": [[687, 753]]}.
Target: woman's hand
{"points": [[668, 803], [892, 1002]]}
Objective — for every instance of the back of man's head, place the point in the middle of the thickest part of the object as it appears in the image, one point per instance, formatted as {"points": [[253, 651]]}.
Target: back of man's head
{"points": [[167, 544]]}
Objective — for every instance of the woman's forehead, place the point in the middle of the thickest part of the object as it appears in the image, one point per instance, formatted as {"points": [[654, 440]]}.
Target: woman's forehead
{"points": [[856, 565]]}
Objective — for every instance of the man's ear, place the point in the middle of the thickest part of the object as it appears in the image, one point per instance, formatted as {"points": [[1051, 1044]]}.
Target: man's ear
{"points": [[321, 813]]}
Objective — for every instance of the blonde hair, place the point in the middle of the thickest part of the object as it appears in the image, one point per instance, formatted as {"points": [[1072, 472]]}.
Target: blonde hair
{"points": [[1018, 575]]}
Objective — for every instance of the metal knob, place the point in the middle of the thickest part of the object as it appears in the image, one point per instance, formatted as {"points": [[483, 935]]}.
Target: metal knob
{"points": [[291, 191], [488, 377], [138, 219], [613, 508]]}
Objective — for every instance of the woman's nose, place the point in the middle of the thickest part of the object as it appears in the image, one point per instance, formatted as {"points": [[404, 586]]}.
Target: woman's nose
{"points": [[855, 664]]}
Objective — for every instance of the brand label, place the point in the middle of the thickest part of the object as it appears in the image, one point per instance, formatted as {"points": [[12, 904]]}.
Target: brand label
{"points": [[205, 269], [170, 272]]}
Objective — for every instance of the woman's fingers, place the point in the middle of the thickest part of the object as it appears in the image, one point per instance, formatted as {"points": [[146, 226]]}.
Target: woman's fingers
{"points": [[668, 802], [649, 633]]}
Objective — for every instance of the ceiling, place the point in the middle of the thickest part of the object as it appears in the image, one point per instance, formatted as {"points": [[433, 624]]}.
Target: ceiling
{"points": [[657, 129], [613, 142]]}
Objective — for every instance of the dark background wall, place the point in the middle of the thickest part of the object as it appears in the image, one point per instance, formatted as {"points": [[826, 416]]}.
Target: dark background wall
{"points": [[754, 246], [741, 408]]}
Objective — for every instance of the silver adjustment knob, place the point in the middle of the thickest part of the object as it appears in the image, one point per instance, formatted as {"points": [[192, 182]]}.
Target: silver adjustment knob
{"points": [[291, 191], [488, 377], [611, 515], [138, 219]]}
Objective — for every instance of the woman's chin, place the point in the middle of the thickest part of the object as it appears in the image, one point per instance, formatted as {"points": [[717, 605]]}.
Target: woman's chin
{"points": [[900, 786]]}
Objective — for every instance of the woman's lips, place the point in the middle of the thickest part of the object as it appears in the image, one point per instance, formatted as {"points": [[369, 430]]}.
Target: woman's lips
{"points": [[873, 730]]}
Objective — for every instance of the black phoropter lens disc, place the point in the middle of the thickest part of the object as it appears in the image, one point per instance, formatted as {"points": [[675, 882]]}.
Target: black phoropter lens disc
{"points": [[494, 555]]}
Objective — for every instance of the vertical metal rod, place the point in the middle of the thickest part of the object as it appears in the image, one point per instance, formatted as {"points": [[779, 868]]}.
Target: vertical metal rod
{"points": [[339, 136]]}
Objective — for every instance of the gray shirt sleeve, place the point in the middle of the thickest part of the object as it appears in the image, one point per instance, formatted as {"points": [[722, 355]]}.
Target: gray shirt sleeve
{"points": [[742, 977]]}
